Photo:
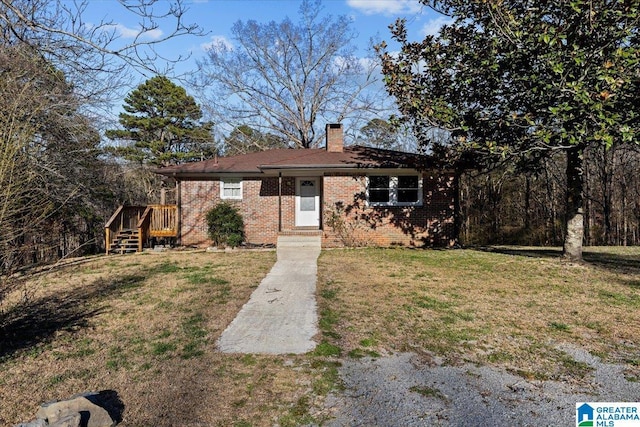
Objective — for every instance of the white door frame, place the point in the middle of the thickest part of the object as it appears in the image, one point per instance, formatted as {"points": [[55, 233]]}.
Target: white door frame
{"points": [[307, 207]]}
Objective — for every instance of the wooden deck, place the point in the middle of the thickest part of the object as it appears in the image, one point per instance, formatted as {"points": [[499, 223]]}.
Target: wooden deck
{"points": [[131, 228]]}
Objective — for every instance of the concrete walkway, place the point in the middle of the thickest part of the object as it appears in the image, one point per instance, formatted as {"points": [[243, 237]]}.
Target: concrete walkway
{"points": [[281, 316]]}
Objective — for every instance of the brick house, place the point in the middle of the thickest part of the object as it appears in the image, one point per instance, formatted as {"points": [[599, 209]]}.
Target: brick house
{"points": [[351, 196]]}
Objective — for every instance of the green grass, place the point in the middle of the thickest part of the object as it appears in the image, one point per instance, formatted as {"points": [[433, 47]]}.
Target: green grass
{"points": [[82, 348], [431, 303], [298, 414], [195, 335], [559, 326], [328, 319], [499, 356], [329, 293], [326, 349], [428, 392], [620, 299], [368, 342], [510, 309], [117, 359], [358, 353], [328, 376], [161, 348], [164, 268], [573, 368], [58, 379]]}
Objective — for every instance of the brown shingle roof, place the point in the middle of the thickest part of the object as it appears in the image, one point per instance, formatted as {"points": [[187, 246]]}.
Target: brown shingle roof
{"points": [[354, 157]]}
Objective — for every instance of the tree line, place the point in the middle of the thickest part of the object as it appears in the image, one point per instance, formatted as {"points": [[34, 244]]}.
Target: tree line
{"points": [[58, 74], [509, 206]]}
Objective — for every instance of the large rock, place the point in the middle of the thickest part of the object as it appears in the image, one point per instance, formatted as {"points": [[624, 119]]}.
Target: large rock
{"points": [[74, 420], [95, 410], [34, 423]]}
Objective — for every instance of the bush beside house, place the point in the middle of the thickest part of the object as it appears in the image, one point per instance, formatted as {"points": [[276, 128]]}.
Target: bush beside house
{"points": [[225, 225]]}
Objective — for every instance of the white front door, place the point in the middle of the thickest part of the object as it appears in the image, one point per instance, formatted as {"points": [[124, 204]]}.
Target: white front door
{"points": [[307, 202]]}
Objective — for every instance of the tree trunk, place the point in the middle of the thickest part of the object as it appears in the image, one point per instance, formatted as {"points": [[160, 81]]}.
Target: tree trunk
{"points": [[606, 197], [457, 210], [574, 224], [588, 192], [552, 213], [623, 211]]}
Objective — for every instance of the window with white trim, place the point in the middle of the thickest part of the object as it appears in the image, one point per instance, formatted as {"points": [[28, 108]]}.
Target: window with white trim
{"points": [[231, 188], [387, 190]]}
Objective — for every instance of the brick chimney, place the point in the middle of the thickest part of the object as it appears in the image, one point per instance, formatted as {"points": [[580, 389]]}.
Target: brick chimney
{"points": [[335, 143]]}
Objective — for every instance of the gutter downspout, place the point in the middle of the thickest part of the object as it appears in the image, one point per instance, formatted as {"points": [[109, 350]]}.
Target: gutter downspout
{"points": [[178, 210], [279, 202]]}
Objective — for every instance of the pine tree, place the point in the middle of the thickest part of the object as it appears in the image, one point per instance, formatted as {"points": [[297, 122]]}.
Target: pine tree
{"points": [[162, 126]]}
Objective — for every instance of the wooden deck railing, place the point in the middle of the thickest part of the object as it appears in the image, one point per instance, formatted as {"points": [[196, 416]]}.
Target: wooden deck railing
{"points": [[125, 217], [164, 221], [147, 221], [157, 221]]}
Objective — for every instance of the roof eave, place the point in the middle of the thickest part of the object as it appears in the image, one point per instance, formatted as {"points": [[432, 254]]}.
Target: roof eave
{"points": [[319, 166], [333, 167], [206, 174]]}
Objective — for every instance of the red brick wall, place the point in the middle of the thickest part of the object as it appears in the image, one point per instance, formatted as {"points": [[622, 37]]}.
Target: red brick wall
{"points": [[197, 198], [258, 207], [345, 217], [357, 224]]}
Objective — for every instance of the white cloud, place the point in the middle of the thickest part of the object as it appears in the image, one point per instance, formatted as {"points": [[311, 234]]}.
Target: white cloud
{"points": [[432, 26], [386, 7], [216, 43], [153, 34], [131, 33]]}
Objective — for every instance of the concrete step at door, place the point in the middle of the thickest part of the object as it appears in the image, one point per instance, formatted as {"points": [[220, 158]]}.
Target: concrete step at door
{"points": [[299, 241]]}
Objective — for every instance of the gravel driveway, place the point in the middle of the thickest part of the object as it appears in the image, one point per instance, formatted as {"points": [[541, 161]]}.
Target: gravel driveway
{"points": [[408, 390]]}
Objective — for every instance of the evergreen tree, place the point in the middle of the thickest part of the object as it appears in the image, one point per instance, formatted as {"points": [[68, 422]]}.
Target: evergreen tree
{"points": [[162, 126], [525, 79]]}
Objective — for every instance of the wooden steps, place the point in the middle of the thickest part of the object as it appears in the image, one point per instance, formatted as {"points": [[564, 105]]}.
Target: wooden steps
{"points": [[131, 228], [125, 242]]}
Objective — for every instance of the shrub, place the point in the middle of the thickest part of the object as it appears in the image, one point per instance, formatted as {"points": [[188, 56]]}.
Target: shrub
{"points": [[225, 225]]}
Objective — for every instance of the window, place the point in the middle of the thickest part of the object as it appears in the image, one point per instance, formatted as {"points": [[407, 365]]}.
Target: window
{"points": [[379, 189], [231, 188], [408, 189], [404, 190]]}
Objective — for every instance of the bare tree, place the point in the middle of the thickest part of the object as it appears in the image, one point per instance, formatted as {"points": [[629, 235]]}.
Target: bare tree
{"points": [[93, 55], [526, 208], [244, 139], [56, 72], [46, 149], [282, 78]]}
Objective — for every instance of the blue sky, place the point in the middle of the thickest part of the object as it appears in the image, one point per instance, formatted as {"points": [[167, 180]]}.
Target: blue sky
{"points": [[370, 18]]}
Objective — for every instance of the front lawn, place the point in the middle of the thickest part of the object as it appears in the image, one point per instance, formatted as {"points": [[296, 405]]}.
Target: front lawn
{"points": [[510, 307], [146, 325]]}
